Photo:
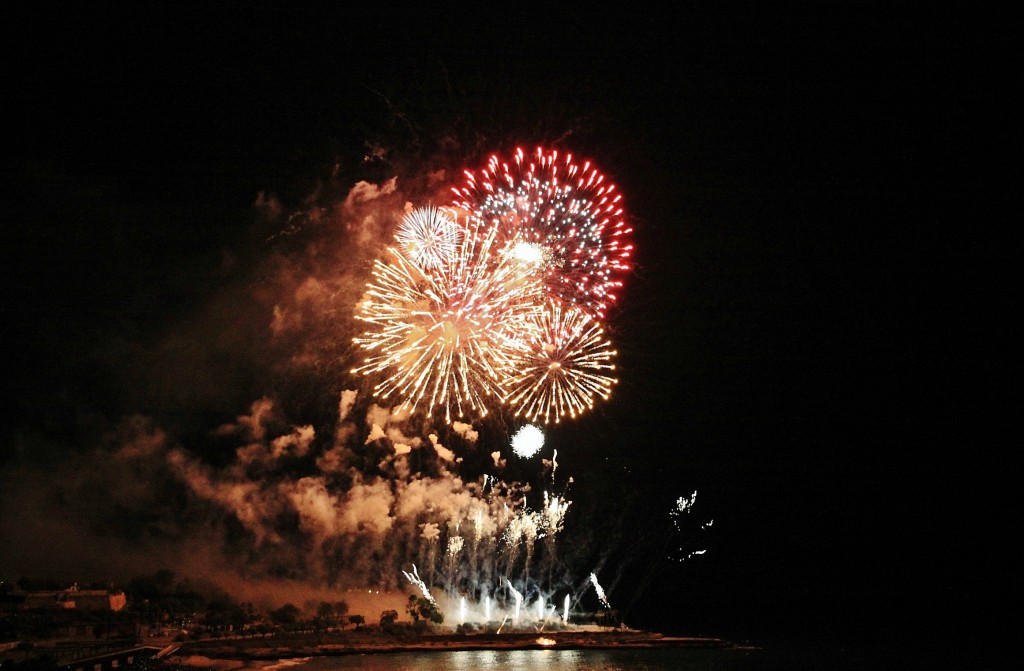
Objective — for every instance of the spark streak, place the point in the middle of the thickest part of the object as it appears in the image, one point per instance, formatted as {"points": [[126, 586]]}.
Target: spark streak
{"points": [[559, 366], [600, 591], [414, 578]]}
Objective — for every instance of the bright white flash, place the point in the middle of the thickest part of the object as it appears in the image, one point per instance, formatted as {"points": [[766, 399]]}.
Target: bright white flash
{"points": [[528, 252], [527, 441]]}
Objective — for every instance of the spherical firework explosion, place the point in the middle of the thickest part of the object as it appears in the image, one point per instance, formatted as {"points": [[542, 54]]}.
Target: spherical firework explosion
{"points": [[428, 237], [500, 307], [571, 212], [441, 336], [559, 366], [527, 441]]}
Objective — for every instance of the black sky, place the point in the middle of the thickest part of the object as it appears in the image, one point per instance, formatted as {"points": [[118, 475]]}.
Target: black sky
{"points": [[803, 339]]}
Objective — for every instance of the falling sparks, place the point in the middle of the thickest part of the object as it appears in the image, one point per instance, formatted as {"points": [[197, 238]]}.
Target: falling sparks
{"points": [[553, 514], [455, 544], [681, 510]]}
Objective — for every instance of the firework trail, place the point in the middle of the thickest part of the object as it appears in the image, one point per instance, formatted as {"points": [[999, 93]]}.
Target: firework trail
{"points": [[559, 366], [519, 601], [571, 213]]}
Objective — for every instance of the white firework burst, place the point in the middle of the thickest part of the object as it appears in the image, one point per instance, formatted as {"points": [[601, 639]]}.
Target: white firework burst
{"points": [[428, 237]]}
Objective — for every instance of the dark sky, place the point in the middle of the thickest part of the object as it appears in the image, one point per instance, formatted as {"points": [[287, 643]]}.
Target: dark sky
{"points": [[803, 339]]}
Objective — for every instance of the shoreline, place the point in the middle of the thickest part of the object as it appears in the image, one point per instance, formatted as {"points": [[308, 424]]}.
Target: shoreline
{"points": [[236, 654]]}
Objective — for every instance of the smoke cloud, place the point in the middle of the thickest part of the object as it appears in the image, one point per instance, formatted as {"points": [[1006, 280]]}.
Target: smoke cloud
{"points": [[306, 487]]}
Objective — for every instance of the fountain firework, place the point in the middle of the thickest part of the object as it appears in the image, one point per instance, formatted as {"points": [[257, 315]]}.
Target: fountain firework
{"points": [[600, 591]]}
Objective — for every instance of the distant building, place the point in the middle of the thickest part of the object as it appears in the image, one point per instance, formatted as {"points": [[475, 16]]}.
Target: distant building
{"points": [[77, 599]]}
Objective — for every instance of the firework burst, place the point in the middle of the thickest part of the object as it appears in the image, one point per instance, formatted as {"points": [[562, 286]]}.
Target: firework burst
{"points": [[559, 366], [440, 336], [429, 237], [501, 305], [569, 212]]}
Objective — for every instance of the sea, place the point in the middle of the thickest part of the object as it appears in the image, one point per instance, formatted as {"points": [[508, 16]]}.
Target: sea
{"points": [[631, 659]]}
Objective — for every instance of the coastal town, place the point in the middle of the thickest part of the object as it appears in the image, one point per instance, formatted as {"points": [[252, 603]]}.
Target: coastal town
{"points": [[162, 620]]}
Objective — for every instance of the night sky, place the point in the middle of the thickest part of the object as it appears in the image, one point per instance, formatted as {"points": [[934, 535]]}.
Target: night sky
{"points": [[803, 339]]}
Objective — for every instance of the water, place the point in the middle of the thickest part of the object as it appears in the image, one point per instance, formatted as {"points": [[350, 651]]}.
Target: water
{"points": [[658, 659]]}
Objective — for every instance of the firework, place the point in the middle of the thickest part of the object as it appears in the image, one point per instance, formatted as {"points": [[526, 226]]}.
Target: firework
{"points": [[415, 579], [559, 366], [455, 544], [527, 441], [519, 600], [600, 591], [571, 213], [682, 508], [553, 514], [500, 307], [428, 237], [439, 337]]}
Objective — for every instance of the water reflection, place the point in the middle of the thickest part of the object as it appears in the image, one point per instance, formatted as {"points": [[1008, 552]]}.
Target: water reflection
{"points": [[676, 659]]}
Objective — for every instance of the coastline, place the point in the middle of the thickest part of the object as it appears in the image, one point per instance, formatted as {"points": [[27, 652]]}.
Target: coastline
{"points": [[236, 654]]}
